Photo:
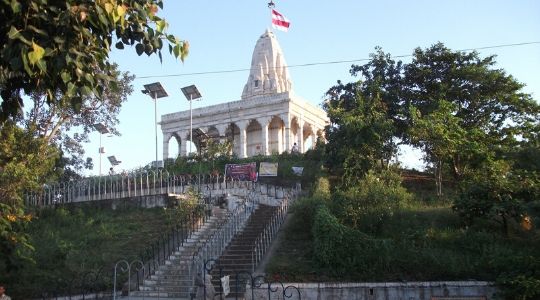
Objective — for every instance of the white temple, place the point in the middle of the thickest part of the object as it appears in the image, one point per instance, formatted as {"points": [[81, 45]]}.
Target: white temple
{"points": [[268, 119]]}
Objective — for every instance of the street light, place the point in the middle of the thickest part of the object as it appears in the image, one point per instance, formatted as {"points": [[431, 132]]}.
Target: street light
{"points": [[192, 93], [155, 90], [114, 162], [102, 129]]}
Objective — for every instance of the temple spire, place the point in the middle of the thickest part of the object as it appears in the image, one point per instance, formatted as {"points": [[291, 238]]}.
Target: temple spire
{"points": [[269, 73]]}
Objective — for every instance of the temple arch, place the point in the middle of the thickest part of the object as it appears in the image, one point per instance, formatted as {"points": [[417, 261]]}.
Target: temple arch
{"points": [[295, 132], [174, 148], [309, 137]]}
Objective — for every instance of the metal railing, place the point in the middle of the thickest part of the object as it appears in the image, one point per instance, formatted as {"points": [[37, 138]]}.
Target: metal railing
{"points": [[271, 229], [124, 186], [167, 244], [220, 239]]}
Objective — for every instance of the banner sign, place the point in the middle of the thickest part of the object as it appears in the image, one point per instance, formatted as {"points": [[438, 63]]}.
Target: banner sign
{"points": [[298, 170], [268, 169], [242, 172]]}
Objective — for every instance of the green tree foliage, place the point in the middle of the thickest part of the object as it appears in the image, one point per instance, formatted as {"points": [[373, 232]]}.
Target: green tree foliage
{"points": [[484, 105], [377, 196], [24, 162], [496, 193], [360, 133], [439, 135], [56, 53], [67, 129], [60, 48]]}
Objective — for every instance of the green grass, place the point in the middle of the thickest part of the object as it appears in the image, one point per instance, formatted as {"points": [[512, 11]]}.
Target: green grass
{"points": [[71, 245], [422, 242]]}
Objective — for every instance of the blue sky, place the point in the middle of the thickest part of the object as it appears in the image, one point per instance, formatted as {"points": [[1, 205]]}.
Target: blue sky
{"points": [[222, 35]]}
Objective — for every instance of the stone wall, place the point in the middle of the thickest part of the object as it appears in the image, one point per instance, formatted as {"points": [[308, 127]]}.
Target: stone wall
{"points": [[435, 290]]}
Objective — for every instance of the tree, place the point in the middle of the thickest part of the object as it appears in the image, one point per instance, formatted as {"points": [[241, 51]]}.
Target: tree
{"points": [[56, 52], [60, 48], [487, 105], [439, 135], [66, 128], [360, 133], [24, 162]]}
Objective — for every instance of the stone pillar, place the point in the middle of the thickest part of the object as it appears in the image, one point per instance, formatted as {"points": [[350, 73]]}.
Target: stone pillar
{"points": [[243, 137], [313, 139], [183, 143], [265, 122], [287, 131], [301, 135], [166, 139], [221, 128]]}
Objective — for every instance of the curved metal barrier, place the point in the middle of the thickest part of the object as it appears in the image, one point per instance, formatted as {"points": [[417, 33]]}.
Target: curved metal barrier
{"points": [[123, 186]]}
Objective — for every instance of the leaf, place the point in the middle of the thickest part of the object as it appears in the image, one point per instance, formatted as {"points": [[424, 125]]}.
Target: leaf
{"points": [[42, 65], [87, 91], [27, 68], [89, 78], [119, 45], [65, 77], [121, 10], [161, 25], [13, 33], [140, 49], [108, 8], [36, 55], [71, 89], [37, 30], [15, 6]]}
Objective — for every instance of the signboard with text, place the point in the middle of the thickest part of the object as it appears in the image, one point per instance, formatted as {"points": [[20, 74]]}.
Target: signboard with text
{"points": [[268, 169], [242, 172]]}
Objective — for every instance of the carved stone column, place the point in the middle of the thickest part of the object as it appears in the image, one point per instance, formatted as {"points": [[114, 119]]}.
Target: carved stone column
{"points": [[301, 134], [265, 122], [166, 138], [313, 139], [287, 131], [243, 137], [221, 128], [183, 143]]}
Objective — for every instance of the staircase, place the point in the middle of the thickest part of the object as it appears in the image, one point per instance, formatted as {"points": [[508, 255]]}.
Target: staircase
{"points": [[172, 279], [237, 257]]}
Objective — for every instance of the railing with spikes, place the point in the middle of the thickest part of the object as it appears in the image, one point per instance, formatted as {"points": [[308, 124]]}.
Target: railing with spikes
{"points": [[271, 229], [227, 229], [124, 185]]}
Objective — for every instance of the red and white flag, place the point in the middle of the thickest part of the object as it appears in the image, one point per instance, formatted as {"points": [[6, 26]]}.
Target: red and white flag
{"points": [[279, 21]]}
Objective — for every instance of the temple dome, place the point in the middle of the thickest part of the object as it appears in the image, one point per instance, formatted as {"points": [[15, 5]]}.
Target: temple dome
{"points": [[269, 73]]}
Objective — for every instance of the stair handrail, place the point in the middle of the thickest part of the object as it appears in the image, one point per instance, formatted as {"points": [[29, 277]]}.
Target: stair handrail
{"points": [[220, 239], [125, 184], [158, 252], [266, 237]]}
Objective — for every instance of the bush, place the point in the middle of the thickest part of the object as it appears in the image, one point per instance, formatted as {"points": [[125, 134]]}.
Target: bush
{"points": [[378, 195], [495, 194], [334, 243]]}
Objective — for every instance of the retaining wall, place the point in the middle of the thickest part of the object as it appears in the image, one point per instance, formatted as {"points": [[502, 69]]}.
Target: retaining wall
{"points": [[435, 290]]}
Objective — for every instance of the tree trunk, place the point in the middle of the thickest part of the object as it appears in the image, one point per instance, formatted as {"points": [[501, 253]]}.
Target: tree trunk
{"points": [[438, 178], [457, 169]]}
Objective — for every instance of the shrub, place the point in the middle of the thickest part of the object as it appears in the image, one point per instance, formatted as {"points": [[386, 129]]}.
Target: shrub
{"points": [[495, 194], [378, 195], [334, 243]]}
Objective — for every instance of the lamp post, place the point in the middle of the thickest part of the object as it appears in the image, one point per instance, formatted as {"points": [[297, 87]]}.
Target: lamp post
{"points": [[102, 129], [155, 90], [114, 162], [192, 93]]}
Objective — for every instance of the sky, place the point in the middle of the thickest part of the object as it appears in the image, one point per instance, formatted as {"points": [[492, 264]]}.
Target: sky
{"points": [[327, 34]]}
